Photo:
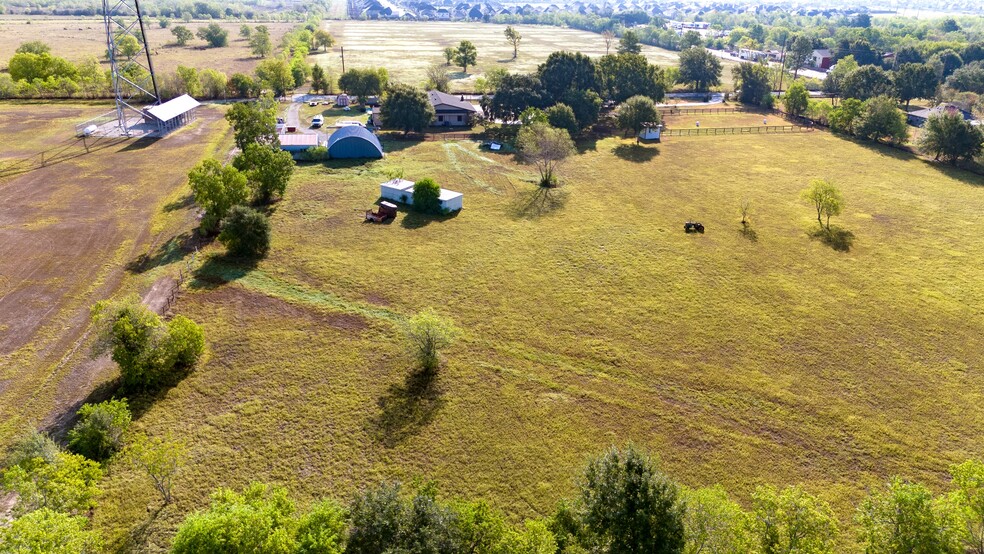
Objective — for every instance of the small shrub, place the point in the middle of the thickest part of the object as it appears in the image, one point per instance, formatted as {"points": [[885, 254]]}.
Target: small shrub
{"points": [[428, 333], [99, 433], [245, 233], [148, 351], [427, 196], [32, 444], [315, 154]]}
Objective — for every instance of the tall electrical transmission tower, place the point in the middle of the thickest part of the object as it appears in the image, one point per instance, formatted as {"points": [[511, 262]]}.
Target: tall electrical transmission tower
{"points": [[126, 44]]}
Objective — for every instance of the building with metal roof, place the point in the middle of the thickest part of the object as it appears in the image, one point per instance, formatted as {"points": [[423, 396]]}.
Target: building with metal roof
{"points": [[172, 114], [295, 144], [451, 110], [354, 142]]}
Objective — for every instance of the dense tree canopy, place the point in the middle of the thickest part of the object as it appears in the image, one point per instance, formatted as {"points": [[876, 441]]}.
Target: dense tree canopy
{"points": [[948, 137], [566, 71], [699, 69], [406, 108], [626, 75]]}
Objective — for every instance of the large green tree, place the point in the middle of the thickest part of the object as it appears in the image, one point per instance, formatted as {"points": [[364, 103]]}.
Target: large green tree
{"points": [[260, 519], [68, 484], [626, 75], [792, 520], [364, 82], [268, 170], [217, 189], [903, 518], [866, 82], [796, 99], [629, 506], [254, 122], [637, 113], [798, 53], [566, 71], [182, 35], [949, 137], [629, 43], [699, 69], [47, 531], [882, 119], [260, 43], [465, 55], [754, 85], [913, 80], [406, 108], [100, 430], [323, 39], [968, 498], [276, 75], [516, 92], [214, 35], [714, 523]]}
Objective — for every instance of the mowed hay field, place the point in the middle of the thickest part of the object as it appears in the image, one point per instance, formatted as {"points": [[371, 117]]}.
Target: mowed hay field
{"points": [[69, 232], [76, 39], [408, 49], [589, 318]]}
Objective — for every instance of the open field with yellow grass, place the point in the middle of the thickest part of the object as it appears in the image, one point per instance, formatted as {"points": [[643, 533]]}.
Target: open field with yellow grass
{"points": [[408, 48], [589, 318]]}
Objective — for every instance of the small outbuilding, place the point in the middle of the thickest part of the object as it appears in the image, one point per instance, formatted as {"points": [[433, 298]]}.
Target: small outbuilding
{"points": [[401, 190], [918, 118], [342, 100], [172, 114], [295, 144], [651, 133], [354, 141]]}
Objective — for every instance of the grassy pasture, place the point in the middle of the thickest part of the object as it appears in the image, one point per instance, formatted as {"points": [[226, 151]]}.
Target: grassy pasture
{"points": [[408, 49], [590, 318], [78, 38]]}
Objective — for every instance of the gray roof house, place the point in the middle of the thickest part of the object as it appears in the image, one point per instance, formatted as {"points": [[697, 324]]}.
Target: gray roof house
{"points": [[451, 110], [918, 118]]}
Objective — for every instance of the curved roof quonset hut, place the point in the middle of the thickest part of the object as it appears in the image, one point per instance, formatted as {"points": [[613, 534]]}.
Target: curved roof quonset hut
{"points": [[354, 142]]}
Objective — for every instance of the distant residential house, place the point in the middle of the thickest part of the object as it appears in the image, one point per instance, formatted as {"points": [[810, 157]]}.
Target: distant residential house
{"points": [[443, 14], [918, 118], [821, 59], [451, 110]]}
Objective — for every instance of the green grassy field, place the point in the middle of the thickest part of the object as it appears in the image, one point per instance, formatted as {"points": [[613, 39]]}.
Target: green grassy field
{"points": [[589, 318], [408, 49]]}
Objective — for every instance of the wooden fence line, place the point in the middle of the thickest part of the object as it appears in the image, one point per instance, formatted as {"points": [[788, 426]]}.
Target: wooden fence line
{"points": [[759, 130]]}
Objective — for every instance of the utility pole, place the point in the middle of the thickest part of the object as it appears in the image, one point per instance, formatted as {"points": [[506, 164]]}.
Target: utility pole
{"points": [[343, 59], [782, 64]]}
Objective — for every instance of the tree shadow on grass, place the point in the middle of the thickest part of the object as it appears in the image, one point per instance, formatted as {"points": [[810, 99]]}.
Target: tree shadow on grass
{"points": [[186, 202], [175, 249], [635, 152], [393, 144], [407, 407], [837, 238], [220, 269], [416, 220], [138, 535], [538, 202], [747, 232], [60, 424]]}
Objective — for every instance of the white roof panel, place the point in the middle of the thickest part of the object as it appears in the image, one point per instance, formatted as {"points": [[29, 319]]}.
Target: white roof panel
{"points": [[173, 108]]}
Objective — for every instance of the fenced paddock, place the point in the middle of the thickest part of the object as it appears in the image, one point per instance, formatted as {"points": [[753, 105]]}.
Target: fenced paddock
{"points": [[715, 131]]}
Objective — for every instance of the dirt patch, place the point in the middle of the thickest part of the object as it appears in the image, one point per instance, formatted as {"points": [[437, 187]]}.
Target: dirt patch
{"points": [[97, 209], [377, 300], [249, 302]]}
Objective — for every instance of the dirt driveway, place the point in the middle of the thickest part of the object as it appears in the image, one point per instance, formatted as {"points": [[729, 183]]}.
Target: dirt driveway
{"points": [[67, 232]]}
